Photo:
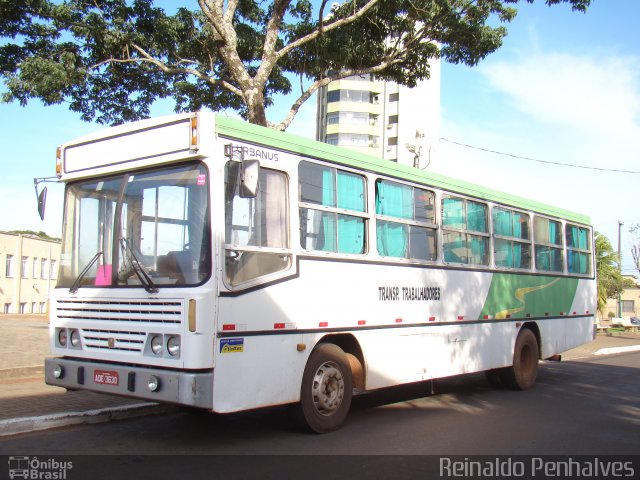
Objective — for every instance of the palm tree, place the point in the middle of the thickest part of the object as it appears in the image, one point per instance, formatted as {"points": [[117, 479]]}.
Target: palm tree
{"points": [[610, 281]]}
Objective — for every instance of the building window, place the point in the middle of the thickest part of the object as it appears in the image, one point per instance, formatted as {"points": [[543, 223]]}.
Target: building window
{"points": [[43, 268], [25, 267], [352, 118], [628, 306], [53, 270], [34, 307], [34, 270], [349, 95], [393, 119], [43, 307], [8, 272], [23, 307], [394, 97], [8, 308], [351, 140], [392, 141]]}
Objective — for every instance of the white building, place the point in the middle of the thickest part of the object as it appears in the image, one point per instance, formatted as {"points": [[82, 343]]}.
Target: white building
{"points": [[384, 119], [29, 271]]}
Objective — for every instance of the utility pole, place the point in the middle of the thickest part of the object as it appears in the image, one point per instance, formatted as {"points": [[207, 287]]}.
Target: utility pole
{"points": [[620, 224]]}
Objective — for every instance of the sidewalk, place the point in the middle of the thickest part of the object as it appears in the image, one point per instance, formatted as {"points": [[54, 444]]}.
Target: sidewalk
{"points": [[28, 404]]}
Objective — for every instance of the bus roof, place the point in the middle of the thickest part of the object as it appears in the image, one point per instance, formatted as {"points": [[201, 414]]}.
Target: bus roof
{"points": [[234, 128]]}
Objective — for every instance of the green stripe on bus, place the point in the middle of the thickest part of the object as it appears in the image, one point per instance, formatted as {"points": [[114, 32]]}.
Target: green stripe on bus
{"points": [[234, 128], [519, 295]]}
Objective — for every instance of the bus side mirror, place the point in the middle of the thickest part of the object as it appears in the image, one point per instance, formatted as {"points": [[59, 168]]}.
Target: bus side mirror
{"points": [[249, 175], [42, 201]]}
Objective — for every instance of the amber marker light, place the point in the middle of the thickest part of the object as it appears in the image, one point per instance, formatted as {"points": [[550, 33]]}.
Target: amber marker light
{"points": [[193, 134], [59, 161]]}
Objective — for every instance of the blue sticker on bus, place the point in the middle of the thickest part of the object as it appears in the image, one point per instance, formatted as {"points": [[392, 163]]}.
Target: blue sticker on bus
{"points": [[232, 345]]}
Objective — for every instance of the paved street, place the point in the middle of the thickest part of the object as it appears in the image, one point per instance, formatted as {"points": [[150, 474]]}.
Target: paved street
{"points": [[578, 407], [589, 404]]}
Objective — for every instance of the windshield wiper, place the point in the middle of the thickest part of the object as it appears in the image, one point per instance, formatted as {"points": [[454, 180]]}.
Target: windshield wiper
{"points": [[76, 283], [138, 269]]}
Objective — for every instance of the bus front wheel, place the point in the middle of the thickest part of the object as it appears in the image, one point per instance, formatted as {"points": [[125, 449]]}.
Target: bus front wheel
{"points": [[524, 371], [325, 393]]}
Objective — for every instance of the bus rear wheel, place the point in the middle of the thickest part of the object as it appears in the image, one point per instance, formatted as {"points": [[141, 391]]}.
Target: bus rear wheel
{"points": [[325, 393], [524, 371]]}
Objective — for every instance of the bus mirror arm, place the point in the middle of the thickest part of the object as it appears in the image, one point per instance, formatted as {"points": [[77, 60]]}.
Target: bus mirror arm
{"points": [[42, 196]]}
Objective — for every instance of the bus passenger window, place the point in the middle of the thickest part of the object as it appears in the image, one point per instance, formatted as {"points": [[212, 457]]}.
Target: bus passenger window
{"points": [[512, 245], [465, 237], [547, 235], [578, 250], [405, 226], [325, 194]]}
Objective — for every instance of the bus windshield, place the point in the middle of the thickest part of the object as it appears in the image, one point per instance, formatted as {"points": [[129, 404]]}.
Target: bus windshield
{"points": [[147, 229]]}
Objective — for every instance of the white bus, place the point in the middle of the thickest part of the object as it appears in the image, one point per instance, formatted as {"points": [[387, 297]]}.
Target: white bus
{"points": [[216, 264]]}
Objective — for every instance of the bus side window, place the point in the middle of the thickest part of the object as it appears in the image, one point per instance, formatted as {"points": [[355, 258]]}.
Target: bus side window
{"points": [[406, 221], [465, 236], [255, 227], [547, 235], [325, 193]]}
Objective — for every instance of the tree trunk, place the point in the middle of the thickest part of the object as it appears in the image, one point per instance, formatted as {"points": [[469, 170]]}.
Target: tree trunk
{"points": [[255, 106]]}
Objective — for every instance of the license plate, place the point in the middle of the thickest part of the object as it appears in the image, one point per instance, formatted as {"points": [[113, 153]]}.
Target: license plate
{"points": [[106, 377]]}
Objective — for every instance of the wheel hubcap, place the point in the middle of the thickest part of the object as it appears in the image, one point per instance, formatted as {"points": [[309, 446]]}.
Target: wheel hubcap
{"points": [[328, 388]]}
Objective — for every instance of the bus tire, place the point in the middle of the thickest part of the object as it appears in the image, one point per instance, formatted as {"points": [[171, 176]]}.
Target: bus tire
{"points": [[326, 389], [524, 371]]}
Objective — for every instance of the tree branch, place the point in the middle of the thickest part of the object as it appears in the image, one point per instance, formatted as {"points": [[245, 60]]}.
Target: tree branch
{"points": [[232, 5], [169, 70], [325, 81], [326, 28], [270, 39]]}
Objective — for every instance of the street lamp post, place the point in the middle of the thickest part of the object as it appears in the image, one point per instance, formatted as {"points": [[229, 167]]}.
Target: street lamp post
{"points": [[620, 223]]}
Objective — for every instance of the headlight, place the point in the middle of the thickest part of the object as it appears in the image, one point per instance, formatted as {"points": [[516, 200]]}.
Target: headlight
{"points": [[58, 371], [75, 338], [154, 383], [173, 345], [62, 337], [156, 344]]}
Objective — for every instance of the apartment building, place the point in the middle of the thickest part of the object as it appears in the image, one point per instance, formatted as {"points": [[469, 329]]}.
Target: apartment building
{"points": [[28, 271], [390, 121]]}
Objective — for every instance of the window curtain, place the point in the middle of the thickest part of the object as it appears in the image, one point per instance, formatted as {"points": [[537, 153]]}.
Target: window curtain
{"points": [[350, 197], [328, 219], [397, 201], [350, 234], [453, 212], [477, 217], [478, 249], [502, 223]]}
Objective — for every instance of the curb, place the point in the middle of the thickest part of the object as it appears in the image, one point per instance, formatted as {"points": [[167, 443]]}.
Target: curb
{"points": [[16, 426]]}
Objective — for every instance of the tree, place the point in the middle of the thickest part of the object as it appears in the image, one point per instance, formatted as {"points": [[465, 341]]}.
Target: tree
{"points": [[33, 233], [610, 281], [111, 59]]}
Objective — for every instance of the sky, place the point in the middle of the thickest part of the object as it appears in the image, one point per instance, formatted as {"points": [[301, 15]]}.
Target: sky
{"points": [[564, 88]]}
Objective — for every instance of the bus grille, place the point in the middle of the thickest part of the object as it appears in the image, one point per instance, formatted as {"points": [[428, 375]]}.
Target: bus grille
{"points": [[113, 340], [136, 311]]}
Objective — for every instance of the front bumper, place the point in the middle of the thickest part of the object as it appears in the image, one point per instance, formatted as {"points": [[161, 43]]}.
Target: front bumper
{"points": [[183, 388]]}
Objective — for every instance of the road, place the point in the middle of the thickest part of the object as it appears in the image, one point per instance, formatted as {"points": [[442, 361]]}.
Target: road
{"points": [[585, 407]]}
